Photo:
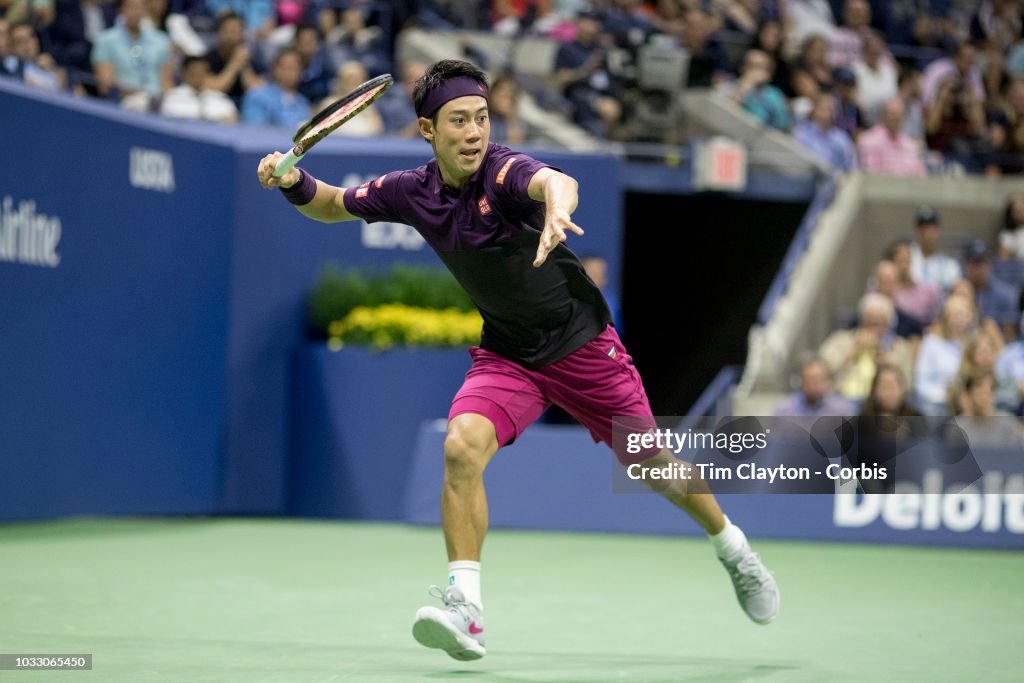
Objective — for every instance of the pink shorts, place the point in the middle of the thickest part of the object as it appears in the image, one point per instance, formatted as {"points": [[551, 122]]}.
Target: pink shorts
{"points": [[593, 384]]}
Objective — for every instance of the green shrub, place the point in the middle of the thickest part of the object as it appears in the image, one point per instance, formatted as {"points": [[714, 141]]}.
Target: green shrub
{"points": [[340, 291]]}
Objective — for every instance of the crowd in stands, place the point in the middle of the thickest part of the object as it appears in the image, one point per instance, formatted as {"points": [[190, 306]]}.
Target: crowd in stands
{"points": [[894, 86], [934, 336]]}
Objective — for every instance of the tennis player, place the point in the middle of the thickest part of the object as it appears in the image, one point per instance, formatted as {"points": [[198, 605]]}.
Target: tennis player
{"points": [[499, 219]]}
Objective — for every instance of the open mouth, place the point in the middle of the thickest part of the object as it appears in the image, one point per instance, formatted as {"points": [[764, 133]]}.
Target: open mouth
{"points": [[470, 155]]}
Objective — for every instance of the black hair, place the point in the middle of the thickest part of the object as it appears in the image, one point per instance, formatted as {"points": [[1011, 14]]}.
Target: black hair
{"points": [[285, 51], [299, 28], [444, 70], [226, 16]]}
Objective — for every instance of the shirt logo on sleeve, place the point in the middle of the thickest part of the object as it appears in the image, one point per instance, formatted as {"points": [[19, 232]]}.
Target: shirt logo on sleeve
{"points": [[378, 182], [504, 171], [484, 206], [362, 190]]}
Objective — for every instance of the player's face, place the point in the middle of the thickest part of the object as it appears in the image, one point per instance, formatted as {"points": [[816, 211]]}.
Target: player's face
{"points": [[459, 137]]}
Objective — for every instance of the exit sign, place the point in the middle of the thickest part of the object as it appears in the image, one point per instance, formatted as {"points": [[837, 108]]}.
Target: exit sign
{"points": [[720, 164]]}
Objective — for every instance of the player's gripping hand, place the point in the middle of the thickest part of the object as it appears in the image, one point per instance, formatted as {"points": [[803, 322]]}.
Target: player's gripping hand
{"points": [[556, 223], [265, 173]]}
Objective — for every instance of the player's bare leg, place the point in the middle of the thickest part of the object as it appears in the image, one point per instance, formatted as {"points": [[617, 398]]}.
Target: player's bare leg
{"points": [[458, 628], [468, 447], [755, 587], [692, 496]]}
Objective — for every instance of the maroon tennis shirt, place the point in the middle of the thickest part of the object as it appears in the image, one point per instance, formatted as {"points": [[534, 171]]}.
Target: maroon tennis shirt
{"points": [[487, 235]]}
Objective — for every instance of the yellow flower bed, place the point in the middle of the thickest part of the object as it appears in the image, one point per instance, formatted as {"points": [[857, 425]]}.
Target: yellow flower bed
{"points": [[388, 325]]}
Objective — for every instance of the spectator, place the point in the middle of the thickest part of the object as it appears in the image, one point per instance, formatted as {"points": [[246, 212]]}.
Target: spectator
{"points": [[815, 397], [357, 37], [886, 412], [938, 360], [955, 125], [886, 283], [625, 20], [132, 62], [1007, 130], [997, 24], [346, 25], [230, 60], [885, 148], [317, 71], [503, 107], [811, 73], [193, 99], [396, 104], [257, 15], [709, 63], [922, 301], [757, 95], [369, 122], [996, 300], [853, 355], [1009, 371], [849, 117], [76, 27], [279, 103], [1013, 222], [961, 70], [809, 18], [922, 23], [769, 40], [844, 43], [877, 77], [982, 423], [583, 75], [927, 264], [38, 69], [980, 355], [596, 268], [1006, 265], [820, 135]]}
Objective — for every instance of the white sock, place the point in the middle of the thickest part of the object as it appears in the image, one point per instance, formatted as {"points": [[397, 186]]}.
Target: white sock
{"points": [[730, 543], [465, 575]]}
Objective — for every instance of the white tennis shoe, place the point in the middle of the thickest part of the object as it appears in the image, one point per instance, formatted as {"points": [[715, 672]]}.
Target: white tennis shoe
{"points": [[458, 628], [756, 589]]}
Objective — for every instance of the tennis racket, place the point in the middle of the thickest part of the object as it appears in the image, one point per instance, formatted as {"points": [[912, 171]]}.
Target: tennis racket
{"points": [[328, 121]]}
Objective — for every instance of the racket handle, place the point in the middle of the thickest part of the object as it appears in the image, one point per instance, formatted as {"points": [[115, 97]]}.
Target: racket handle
{"points": [[286, 163]]}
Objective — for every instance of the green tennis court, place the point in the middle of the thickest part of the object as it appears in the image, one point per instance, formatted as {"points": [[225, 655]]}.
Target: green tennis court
{"points": [[224, 600]]}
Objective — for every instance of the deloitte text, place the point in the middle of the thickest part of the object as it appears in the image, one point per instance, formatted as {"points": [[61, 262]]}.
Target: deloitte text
{"points": [[999, 503], [26, 236]]}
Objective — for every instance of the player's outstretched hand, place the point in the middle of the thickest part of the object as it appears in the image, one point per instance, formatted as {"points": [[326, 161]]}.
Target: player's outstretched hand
{"points": [[265, 173], [555, 225]]}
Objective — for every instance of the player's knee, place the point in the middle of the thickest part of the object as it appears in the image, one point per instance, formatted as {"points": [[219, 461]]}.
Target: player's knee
{"points": [[465, 454]]}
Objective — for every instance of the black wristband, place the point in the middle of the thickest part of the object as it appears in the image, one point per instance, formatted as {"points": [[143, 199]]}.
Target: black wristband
{"points": [[302, 192]]}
